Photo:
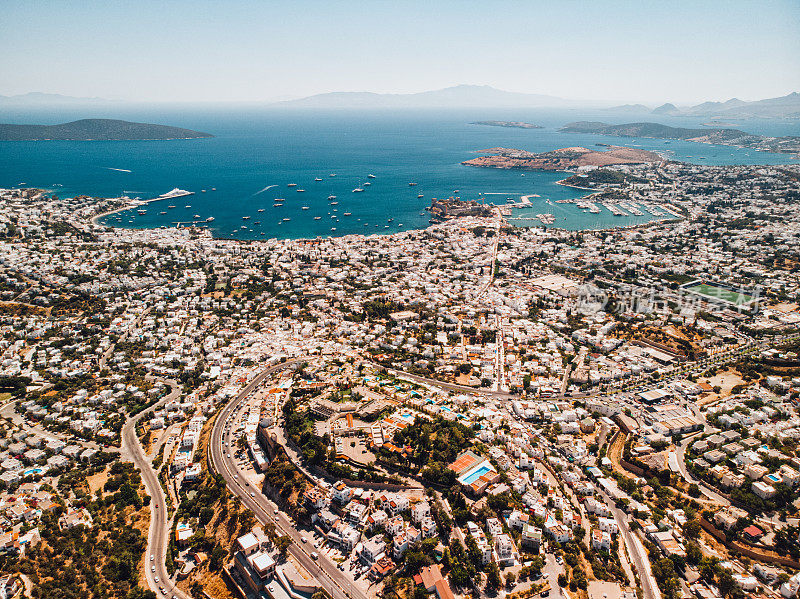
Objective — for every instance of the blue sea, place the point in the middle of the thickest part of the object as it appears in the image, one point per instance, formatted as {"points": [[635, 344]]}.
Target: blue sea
{"points": [[257, 152]]}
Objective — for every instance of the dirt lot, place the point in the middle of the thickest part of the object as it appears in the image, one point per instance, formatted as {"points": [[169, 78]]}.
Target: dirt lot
{"points": [[725, 380], [96, 481], [355, 448]]}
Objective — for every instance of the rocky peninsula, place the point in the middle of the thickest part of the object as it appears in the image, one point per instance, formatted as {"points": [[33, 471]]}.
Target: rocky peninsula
{"points": [[561, 159], [727, 137]]}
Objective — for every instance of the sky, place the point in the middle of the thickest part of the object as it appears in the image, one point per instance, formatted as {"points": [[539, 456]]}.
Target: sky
{"points": [[251, 51]]}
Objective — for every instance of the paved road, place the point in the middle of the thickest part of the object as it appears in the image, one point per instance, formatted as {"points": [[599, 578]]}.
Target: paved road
{"points": [[8, 411], [447, 386], [551, 571], [335, 582], [157, 537], [636, 551], [485, 288], [687, 476]]}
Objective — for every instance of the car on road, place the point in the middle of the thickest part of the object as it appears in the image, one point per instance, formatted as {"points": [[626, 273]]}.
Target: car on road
{"points": [[252, 494], [305, 540], [152, 557], [157, 580], [314, 555], [152, 568]]}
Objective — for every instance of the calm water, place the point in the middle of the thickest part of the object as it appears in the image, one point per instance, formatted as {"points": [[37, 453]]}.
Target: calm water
{"points": [[256, 153]]}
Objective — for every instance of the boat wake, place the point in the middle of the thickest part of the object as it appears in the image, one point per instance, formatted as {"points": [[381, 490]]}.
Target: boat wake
{"points": [[119, 170], [265, 189]]}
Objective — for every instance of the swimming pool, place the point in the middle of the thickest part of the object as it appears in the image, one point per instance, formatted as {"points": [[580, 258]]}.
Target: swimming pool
{"points": [[476, 474]]}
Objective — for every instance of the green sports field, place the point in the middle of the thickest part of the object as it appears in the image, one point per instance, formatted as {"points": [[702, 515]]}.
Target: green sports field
{"points": [[726, 295]]}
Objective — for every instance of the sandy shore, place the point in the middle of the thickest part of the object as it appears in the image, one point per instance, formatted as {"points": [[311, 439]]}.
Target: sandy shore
{"points": [[94, 220]]}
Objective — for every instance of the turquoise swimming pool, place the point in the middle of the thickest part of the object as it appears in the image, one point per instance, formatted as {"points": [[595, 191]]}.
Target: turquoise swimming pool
{"points": [[476, 474]]}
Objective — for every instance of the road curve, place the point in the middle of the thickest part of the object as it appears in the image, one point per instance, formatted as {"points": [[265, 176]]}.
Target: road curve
{"points": [[159, 531], [329, 576], [636, 551]]}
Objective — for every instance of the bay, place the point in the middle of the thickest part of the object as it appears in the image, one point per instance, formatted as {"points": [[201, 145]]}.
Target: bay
{"points": [[257, 152]]}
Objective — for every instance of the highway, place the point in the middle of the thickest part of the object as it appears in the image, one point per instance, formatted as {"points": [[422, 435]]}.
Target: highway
{"points": [[157, 537], [335, 582], [636, 551], [327, 574]]}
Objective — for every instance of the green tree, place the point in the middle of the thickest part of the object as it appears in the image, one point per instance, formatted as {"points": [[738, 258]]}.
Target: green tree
{"points": [[691, 529], [510, 580], [493, 578], [282, 544]]}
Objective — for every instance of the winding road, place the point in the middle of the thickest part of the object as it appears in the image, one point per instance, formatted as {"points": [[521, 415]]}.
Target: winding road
{"points": [[636, 551], [157, 538], [327, 574]]}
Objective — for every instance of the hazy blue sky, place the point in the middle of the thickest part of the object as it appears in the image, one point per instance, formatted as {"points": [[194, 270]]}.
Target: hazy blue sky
{"points": [[202, 50]]}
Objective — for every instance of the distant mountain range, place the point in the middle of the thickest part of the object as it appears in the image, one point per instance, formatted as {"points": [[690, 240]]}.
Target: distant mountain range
{"points": [[783, 107], [42, 99], [96, 130], [469, 96], [459, 96], [730, 137]]}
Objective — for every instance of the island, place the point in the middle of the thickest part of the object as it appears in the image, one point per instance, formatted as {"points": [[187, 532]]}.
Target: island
{"points": [[727, 137], [511, 124], [96, 130], [561, 159]]}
